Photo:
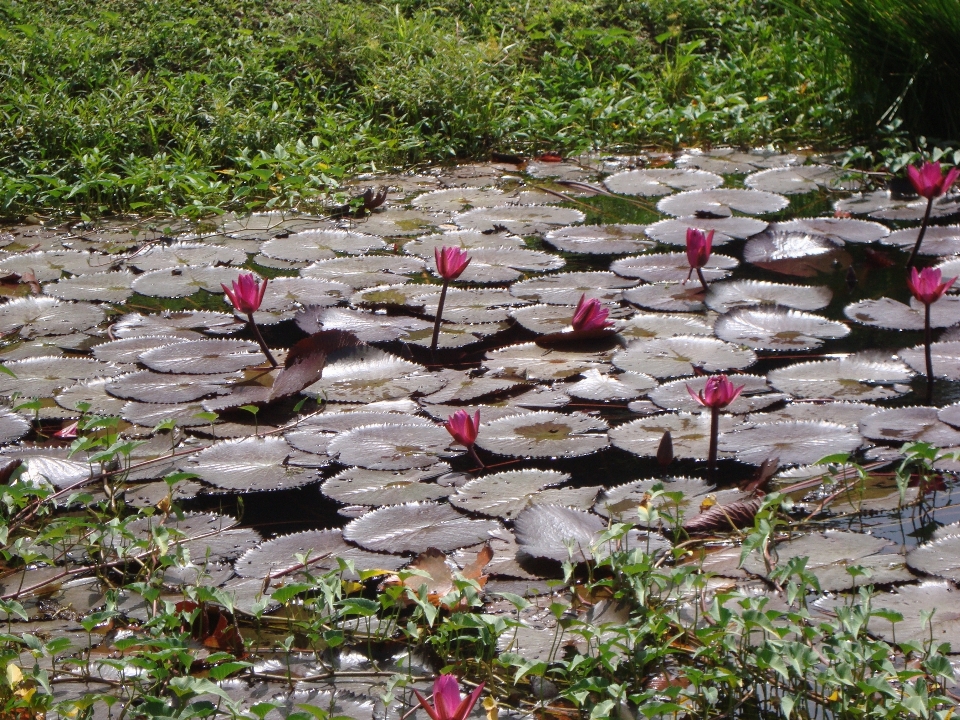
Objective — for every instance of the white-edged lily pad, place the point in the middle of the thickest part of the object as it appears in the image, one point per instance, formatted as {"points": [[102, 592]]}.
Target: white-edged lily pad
{"points": [[601, 387], [937, 240], [44, 376], [643, 325], [150, 387], [396, 222], [600, 239], [690, 434], [259, 225], [391, 446], [891, 314], [778, 329], [368, 375], [503, 265], [797, 442], [658, 182], [730, 161], [674, 231], [49, 265], [112, 287], [171, 324], [841, 413], [721, 203], [622, 501], [250, 464], [152, 414], [33, 316], [672, 267], [184, 282], [358, 486], [839, 230], [941, 556], [94, 394], [545, 319], [880, 205], [364, 271], [532, 362], [128, 350], [544, 434], [675, 356], [506, 494], [864, 376], [313, 245], [411, 527], [469, 306], [462, 387], [754, 396], [367, 326], [731, 295], [314, 434], [944, 356], [518, 219], [667, 297], [567, 288], [203, 357], [13, 426], [795, 253], [425, 246], [801, 179], [909, 424], [159, 256], [457, 199]]}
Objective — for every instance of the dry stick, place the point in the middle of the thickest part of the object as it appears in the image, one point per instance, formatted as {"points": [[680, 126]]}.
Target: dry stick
{"points": [[923, 230], [436, 323], [926, 352], [259, 339]]}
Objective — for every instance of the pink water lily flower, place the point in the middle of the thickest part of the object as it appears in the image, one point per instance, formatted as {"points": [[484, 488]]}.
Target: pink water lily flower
{"points": [[451, 261], [928, 180], [699, 247], [447, 703], [926, 285], [718, 392], [247, 293], [590, 315], [463, 428]]}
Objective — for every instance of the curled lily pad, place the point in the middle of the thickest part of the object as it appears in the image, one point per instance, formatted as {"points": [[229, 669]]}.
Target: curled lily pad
{"points": [[174, 324], [725, 229], [754, 396], [726, 296], [600, 239], [801, 179], [671, 267], [322, 550], [368, 375], [183, 282], [33, 316], [113, 287], [250, 464], [829, 554], [690, 434], [518, 219], [893, 315], [795, 253], [203, 357], [567, 288], [597, 386], [465, 239], [544, 434], [364, 271], [457, 199], [506, 494], [44, 376], [798, 442], [150, 387], [532, 362], [357, 486], [312, 245], [13, 426], [674, 356], [657, 182], [642, 326], [909, 424], [411, 527], [864, 376], [391, 446], [945, 357], [839, 230], [777, 329], [722, 203], [667, 297]]}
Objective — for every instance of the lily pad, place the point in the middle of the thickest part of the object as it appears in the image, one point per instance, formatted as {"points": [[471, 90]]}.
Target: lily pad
{"points": [[667, 297], [678, 355], [909, 424], [470, 306], [150, 387], [725, 229], [465, 239], [544, 319], [184, 282], [152, 414], [603, 388], [367, 326], [893, 315], [795, 253], [357, 486], [364, 271], [457, 199], [13, 426], [48, 265], [544, 434], [671, 267], [658, 182], [462, 387], [730, 161], [941, 556], [864, 376], [880, 205], [754, 396], [33, 316], [802, 179], [797, 442], [112, 287], [503, 265], [250, 464], [690, 434], [839, 230], [391, 446], [411, 527], [928, 612], [175, 324], [313, 245], [721, 203], [368, 375], [203, 357], [314, 434], [567, 288], [160, 256], [506, 494], [600, 239], [643, 325], [518, 219], [394, 222], [778, 329], [44, 376], [94, 394], [731, 295], [944, 356], [938, 240]]}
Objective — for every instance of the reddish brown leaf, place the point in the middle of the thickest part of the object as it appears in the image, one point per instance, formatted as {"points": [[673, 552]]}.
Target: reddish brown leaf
{"points": [[305, 361], [665, 450], [724, 517], [766, 470]]}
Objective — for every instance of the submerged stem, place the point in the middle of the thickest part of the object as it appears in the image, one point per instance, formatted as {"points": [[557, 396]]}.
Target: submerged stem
{"points": [[923, 230], [926, 352], [259, 338], [714, 434], [436, 324]]}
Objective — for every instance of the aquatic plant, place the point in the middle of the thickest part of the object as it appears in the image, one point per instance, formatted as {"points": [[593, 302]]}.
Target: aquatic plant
{"points": [[716, 395], [699, 245], [246, 295], [451, 262], [930, 183], [927, 287], [447, 703]]}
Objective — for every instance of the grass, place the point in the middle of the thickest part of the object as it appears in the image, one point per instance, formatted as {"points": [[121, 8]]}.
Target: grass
{"points": [[190, 106]]}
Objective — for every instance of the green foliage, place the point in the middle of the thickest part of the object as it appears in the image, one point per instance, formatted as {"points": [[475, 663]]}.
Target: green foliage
{"points": [[194, 107]]}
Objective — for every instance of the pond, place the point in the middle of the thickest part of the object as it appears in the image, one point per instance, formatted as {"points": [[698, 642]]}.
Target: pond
{"points": [[122, 326]]}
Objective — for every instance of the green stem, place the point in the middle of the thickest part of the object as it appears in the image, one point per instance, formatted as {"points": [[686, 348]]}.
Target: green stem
{"points": [[259, 338]]}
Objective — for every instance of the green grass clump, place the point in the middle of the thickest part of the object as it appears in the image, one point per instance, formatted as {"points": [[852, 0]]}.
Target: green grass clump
{"points": [[112, 105]]}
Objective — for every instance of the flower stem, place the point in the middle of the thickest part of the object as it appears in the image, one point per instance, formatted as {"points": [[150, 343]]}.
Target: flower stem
{"points": [[259, 338], [923, 230], [714, 436], [926, 351], [703, 280], [476, 458], [436, 324]]}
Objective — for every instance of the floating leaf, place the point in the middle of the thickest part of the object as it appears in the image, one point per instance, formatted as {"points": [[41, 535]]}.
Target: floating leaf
{"points": [[777, 329], [675, 297], [152, 414], [909, 424], [795, 253], [797, 442], [721, 203], [802, 179], [462, 387], [675, 356], [731, 295], [314, 434], [48, 265], [839, 230], [567, 288], [506, 494], [546, 319], [457, 199], [881, 205], [368, 375], [944, 356], [504, 264], [13, 426], [671, 267], [208, 537], [725, 229], [172, 324], [364, 271], [391, 446], [600, 239], [357, 486], [394, 222], [518, 219], [939, 557], [470, 306], [657, 182], [160, 256], [857, 377], [622, 501], [730, 161], [184, 282], [544, 434], [257, 226], [465, 239], [306, 359], [33, 316], [893, 315], [250, 464], [690, 434], [92, 393], [642, 326], [829, 554], [455, 335], [366, 326], [113, 287], [413, 526], [150, 387], [597, 386], [755, 395], [128, 350], [203, 357], [313, 245], [841, 413], [532, 362], [44, 376]]}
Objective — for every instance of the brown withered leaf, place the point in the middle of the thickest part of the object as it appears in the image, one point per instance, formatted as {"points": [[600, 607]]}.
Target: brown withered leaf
{"points": [[440, 581], [212, 628], [759, 480], [724, 518], [306, 359], [665, 450]]}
